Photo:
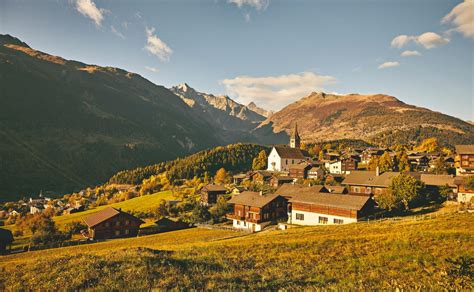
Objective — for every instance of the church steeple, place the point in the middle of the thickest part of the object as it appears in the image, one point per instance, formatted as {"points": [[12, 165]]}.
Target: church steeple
{"points": [[295, 140]]}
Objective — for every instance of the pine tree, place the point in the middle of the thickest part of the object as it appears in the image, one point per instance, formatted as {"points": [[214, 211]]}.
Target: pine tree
{"points": [[221, 176], [403, 164], [385, 162], [260, 162]]}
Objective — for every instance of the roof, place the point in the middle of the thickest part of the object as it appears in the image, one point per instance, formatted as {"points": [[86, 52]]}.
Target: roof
{"points": [[288, 152], [240, 175], [290, 190], [6, 235], [464, 149], [438, 179], [104, 215], [264, 173], [350, 202], [254, 199], [336, 189], [300, 166], [214, 188], [369, 178], [284, 178]]}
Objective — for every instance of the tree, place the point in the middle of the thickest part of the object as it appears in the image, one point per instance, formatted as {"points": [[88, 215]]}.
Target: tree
{"points": [[405, 190], [428, 145], [221, 176], [260, 162], [403, 164], [200, 214], [162, 210], [321, 155], [385, 162], [446, 192], [303, 146], [440, 166], [373, 163]]}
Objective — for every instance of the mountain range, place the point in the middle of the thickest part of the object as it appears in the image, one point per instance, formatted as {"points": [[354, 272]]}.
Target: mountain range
{"points": [[66, 125]]}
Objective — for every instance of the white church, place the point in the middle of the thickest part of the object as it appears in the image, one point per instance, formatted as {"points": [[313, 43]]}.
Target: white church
{"points": [[282, 157]]}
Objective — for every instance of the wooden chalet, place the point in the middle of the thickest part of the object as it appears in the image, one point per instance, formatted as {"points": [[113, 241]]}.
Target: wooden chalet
{"points": [[315, 173], [464, 159], [327, 208], [210, 192], [112, 223], [6, 240], [369, 183], [300, 170], [253, 211], [464, 194], [261, 176], [277, 180]]}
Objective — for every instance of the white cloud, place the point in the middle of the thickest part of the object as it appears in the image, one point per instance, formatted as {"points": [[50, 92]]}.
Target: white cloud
{"points": [[401, 40], [116, 32], [257, 4], [431, 40], [462, 18], [411, 54], [274, 92], [428, 40], [389, 64], [152, 69], [89, 9], [156, 46]]}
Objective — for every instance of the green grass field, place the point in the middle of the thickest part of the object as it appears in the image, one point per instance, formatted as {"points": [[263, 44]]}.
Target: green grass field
{"points": [[427, 254]]}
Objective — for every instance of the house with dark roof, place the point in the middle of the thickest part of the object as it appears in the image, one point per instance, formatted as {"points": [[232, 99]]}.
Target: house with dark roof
{"points": [[6, 240], [253, 211], [210, 193], [370, 183], [464, 159], [328, 208], [112, 223], [261, 176], [433, 183]]}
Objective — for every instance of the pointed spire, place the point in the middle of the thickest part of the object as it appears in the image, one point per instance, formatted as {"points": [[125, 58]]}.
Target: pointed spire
{"points": [[295, 140]]}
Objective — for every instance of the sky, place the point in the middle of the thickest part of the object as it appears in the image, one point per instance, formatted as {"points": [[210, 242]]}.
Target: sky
{"points": [[272, 52]]}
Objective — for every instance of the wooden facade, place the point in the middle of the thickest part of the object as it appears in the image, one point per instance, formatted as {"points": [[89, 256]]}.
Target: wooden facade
{"points": [[271, 212], [366, 190], [210, 193], [112, 223], [299, 171], [349, 164]]}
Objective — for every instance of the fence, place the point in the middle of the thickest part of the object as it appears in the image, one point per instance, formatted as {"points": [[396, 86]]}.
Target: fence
{"points": [[407, 218]]}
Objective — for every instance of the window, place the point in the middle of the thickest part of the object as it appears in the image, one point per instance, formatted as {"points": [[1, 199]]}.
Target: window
{"points": [[286, 161], [323, 220], [117, 232], [127, 222], [338, 221], [356, 189], [117, 223], [292, 161], [107, 224], [238, 212], [127, 231], [299, 216]]}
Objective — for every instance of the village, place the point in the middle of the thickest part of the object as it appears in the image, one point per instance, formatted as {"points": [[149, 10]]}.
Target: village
{"points": [[295, 188]]}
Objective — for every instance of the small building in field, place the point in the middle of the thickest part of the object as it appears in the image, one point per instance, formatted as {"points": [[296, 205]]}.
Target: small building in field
{"points": [[253, 211], [277, 180], [238, 178], [464, 160], [6, 240], [210, 192], [167, 224], [300, 170], [112, 223], [327, 208]]}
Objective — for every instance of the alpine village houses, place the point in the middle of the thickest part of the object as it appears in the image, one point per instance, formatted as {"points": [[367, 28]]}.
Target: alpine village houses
{"points": [[111, 223]]}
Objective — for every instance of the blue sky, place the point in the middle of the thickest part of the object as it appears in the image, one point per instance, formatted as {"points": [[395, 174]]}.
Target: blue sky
{"points": [[272, 52]]}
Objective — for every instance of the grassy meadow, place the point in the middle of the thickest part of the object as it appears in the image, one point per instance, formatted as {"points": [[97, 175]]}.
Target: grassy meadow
{"points": [[426, 254]]}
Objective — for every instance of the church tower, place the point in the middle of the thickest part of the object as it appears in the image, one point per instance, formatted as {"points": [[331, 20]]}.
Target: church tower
{"points": [[295, 140]]}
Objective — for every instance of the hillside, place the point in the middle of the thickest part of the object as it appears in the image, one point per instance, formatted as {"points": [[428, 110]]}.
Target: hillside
{"points": [[374, 118], [235, 158], [431, 254]]}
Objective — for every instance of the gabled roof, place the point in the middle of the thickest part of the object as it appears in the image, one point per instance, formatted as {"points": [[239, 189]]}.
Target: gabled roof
{"points": [[283, 178], [464, 149], [287, 152], [290, 190], [349, 202], [336, 189], [214, 188], [104, 215], [253, 199], [369, 178], [438, 179]]}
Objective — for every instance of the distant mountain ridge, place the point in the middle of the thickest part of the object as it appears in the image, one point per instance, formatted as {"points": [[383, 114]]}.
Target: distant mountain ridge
{"points": [[375, 118]]}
